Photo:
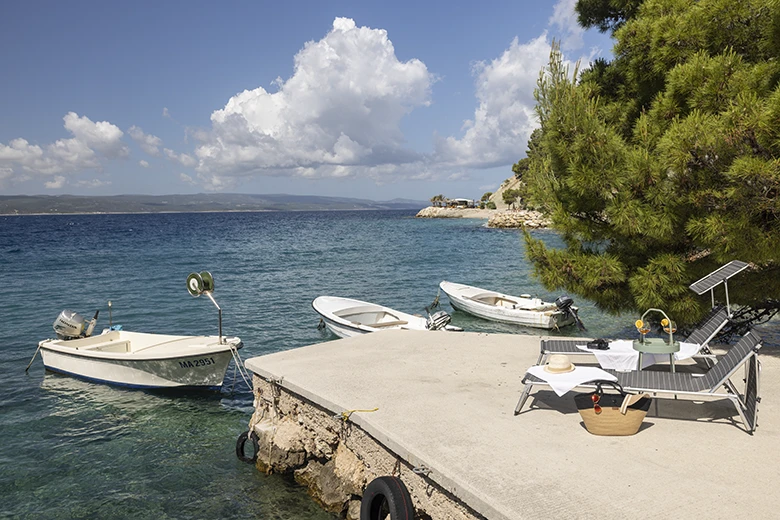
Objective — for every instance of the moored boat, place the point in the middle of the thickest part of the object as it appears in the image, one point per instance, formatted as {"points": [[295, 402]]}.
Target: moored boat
{"points": [[521, 310], [346, 317], [137, 359], [142, 360]]}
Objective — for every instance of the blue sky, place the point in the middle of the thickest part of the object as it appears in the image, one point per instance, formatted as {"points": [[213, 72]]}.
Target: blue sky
{"points": [[356, 99]]}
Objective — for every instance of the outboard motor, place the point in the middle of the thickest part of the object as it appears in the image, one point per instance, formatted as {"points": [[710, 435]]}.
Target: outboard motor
{"points": [[70, 325], [437, 321], [566, 305]]}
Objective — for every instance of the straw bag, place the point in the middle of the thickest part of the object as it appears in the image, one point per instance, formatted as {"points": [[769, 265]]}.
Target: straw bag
{"points": [[612, 414]]}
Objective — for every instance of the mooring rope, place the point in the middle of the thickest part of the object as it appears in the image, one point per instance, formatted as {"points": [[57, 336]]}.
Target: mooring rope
{"points": [[240, 366], [33, 358], [347, 413]]}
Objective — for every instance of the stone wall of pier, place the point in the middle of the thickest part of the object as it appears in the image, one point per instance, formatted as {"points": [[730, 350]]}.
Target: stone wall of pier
{"points": [[335, 459]]}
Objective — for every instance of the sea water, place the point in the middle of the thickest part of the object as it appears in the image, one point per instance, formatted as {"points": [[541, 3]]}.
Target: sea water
{"points": [[72, 449]]}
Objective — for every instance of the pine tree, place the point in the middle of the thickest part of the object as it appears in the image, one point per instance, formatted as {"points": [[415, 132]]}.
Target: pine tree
{"points": [[663, 164]]}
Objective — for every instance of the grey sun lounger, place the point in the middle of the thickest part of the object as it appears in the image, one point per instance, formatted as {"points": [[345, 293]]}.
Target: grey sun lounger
{"points": [[707, 329], [714, 383]]}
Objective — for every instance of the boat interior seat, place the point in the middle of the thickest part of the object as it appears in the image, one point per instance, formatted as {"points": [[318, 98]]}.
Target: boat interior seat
{"points": [[393, 323], [109, 346]]}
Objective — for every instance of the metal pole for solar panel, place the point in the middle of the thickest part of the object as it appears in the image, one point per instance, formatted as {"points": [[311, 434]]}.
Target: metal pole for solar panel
{"points": [[726, 286]]}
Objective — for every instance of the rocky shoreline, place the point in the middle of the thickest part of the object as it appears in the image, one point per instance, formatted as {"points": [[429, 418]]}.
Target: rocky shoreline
{"points": [[495, 218]]}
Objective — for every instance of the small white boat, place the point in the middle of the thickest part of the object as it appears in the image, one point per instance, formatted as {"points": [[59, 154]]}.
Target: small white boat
{"points": [[141, 360], [521, 310], [346, 317]]}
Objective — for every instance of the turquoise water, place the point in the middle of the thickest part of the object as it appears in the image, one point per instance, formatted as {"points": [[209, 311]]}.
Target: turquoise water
{"points": [[82, 450]]}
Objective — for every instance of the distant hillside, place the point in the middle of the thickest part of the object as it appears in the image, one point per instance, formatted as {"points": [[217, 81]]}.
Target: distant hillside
{"points": [[54, 204]]}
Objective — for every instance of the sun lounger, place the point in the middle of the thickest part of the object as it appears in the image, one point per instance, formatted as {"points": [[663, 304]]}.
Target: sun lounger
{"points": [[707, 329], [714, 383]]}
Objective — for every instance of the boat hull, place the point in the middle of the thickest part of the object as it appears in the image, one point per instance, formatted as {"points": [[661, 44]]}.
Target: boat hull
{"points": [[204, 367], [346, 317], [341, 330], [542, 319]]}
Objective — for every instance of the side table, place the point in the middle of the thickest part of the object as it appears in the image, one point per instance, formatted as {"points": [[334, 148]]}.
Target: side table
{"points": [[656, 346]]}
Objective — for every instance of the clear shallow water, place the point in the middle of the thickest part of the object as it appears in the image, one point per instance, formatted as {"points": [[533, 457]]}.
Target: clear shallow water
{"points": [[81, 450]]}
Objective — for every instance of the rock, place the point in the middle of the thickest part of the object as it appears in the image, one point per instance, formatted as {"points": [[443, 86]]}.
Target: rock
{"points": [[324, 485], [353, 511], [280, 449], [350, 470], [516, 219], [319, 447], [431, 212], [496, 218]]}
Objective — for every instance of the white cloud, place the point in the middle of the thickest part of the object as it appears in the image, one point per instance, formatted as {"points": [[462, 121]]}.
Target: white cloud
{"points": [[564, 18], [187, 179], [505, 117], [183, 159], [56, 183], [93, 183], [101, 136], [149, 143], [89, 143], [337, 115]]}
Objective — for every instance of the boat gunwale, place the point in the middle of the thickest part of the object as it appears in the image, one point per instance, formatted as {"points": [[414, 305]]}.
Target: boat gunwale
{"points": [[198, 350]]}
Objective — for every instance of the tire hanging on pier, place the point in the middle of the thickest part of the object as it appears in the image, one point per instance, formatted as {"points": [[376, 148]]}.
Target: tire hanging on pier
{"points": [[241, 442], [385, 495]]}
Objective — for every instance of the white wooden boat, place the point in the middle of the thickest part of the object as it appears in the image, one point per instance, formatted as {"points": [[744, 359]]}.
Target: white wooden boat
{"points": [[346, 317], [521, 310], [137, 359], [142, 360]]}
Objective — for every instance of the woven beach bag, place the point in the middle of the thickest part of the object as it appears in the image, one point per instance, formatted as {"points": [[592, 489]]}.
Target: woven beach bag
{"points": [[612, 414]]}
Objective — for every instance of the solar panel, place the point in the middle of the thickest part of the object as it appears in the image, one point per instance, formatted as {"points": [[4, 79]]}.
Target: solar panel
{"points": [[718, 276]]}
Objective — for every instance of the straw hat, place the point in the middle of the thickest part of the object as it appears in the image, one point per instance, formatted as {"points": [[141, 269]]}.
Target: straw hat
{"points": [[559, 364]]}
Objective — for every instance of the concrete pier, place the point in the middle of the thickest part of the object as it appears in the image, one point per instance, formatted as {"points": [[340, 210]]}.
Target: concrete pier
{"points": [[445, 406]]}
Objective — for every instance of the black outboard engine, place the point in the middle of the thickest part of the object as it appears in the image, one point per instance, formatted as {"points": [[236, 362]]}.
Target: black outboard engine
{"points": [[566, 305], [437, 321]]}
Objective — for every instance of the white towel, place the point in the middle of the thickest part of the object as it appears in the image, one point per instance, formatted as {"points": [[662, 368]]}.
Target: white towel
{"points": [[687, 350], [622, 356], [562, 383]]}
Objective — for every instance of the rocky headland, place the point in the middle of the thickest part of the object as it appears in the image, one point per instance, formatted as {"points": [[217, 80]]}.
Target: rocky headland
{"points": [[496, 218]]}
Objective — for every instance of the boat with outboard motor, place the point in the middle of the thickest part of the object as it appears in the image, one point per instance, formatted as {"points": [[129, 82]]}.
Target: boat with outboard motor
{"points": [[141, 360], [521, 310], [346, 317]]}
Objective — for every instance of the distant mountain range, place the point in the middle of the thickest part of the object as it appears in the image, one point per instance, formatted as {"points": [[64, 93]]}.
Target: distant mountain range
{"points": [[63, 204]]}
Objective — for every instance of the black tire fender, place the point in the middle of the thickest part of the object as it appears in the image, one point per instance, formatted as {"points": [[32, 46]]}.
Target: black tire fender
{"points": [[390, 490], [241, 442]]}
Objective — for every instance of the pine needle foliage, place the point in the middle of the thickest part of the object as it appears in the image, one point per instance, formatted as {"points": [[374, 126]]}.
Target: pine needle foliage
{"points": [[663, 164]]}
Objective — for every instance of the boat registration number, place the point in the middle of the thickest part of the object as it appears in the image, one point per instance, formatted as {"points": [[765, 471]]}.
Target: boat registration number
{"points": [[197, 363]]}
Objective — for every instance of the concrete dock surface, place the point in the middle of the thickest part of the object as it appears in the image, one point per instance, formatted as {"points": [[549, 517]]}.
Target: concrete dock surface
{"points": [[446, 402]]}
